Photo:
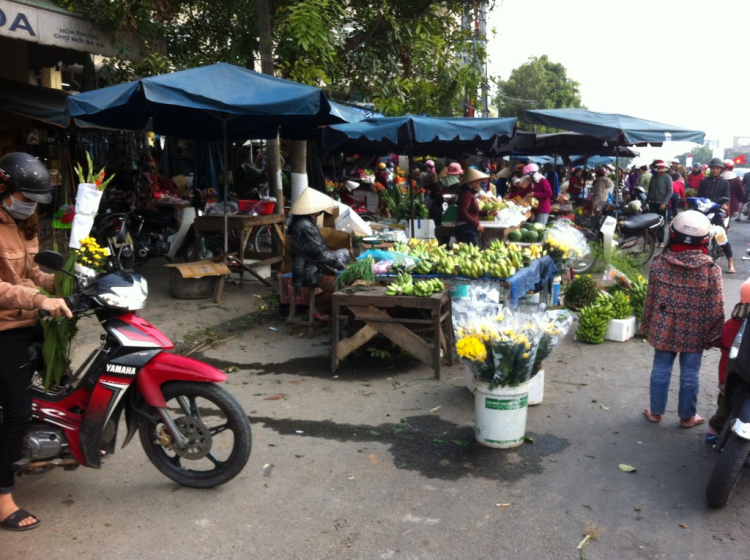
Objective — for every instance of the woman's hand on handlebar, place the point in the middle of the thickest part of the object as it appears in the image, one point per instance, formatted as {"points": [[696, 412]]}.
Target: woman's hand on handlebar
{"points": [[56, 307]]}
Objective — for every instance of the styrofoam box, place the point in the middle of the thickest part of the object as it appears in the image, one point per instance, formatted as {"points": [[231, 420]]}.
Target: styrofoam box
{"points": [[424, 229], [620, 330]]}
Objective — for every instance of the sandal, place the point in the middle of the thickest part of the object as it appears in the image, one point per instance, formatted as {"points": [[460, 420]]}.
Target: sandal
{"points": [[13, 521], [692, 422], [731, 271], [651, 416]]}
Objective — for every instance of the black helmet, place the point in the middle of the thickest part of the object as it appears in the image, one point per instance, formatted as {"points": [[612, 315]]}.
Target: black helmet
{"points": [[690, 228], [24, 173], [716, 162]]}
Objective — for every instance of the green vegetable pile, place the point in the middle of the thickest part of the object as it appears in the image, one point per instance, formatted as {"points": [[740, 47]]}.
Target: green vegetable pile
{"points": [[581, 292], [358, 270]]}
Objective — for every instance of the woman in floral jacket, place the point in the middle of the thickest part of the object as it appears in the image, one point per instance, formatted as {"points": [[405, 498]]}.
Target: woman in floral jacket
{"points": [[683, 312]]}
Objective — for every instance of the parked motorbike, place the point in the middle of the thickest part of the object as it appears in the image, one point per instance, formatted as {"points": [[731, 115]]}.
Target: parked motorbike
{"points": [[346, 197], [191, 429], [635, 235], [733, 443], [156, 234]]}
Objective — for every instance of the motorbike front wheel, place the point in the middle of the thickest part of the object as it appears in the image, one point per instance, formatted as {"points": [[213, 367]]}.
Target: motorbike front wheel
{"points": [[585, 263], [727, 471], [217, 429]]}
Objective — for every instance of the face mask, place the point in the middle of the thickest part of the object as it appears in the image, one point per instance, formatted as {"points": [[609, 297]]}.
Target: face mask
{"points": [[18, 209]]}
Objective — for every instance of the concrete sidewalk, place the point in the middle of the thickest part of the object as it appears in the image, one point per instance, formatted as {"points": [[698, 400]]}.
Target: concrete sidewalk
{"points": [[379, 461]]}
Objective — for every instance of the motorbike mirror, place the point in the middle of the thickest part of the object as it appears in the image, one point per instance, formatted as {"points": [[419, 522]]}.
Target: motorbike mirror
{"points": [[50, 259]]}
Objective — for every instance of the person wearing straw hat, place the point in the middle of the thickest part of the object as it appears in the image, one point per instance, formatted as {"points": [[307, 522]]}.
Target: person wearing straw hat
{"points": [[312, 260], [467, 222]]}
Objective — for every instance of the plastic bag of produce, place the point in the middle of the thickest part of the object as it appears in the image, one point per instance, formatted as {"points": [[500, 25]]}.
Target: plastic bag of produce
{"points": [[565, 244]]}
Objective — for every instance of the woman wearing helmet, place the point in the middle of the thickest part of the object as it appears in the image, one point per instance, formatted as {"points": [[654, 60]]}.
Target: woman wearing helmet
{"points": [[716, 188], [683, 313], [24, 181], [736, 190], [540, 188]]}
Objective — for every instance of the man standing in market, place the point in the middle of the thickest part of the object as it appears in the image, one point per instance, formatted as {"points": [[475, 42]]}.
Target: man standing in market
{"points": [[645, 177], [552, 178], [659, 194], [716, 188]]}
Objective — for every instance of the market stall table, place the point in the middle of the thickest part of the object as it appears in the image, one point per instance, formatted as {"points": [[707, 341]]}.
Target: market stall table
{"points": [[491, 231], [247, 225], [369, 306]]}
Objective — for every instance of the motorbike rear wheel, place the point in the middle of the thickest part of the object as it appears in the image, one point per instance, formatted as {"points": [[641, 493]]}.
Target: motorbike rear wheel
{"points": [[643, 249], [728, 470], [217, 428]]}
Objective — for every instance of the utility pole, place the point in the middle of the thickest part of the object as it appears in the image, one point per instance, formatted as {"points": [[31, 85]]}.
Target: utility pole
{"points": [[273, 152]]}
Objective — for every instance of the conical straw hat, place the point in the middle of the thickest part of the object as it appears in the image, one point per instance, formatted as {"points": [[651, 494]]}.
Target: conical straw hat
{"points": [[472, 175], [311, 202]]}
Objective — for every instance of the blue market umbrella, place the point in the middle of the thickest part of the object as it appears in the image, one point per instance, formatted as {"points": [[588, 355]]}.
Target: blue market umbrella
{"points": [[620, 129], [412, 134], [563, 144], [216, 102]]}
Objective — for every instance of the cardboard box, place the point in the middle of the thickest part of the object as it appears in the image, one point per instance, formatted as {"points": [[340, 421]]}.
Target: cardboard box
{"points": [[620, 330], [350, 222], [200, 269]]}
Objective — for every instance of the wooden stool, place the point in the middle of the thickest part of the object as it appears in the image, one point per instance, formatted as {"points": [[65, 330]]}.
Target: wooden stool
{"points": [[308, 321]]}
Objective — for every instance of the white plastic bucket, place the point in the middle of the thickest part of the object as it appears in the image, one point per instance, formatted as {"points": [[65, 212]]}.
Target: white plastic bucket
{"points": [[536, 390], [469, 377], [500, 414]]}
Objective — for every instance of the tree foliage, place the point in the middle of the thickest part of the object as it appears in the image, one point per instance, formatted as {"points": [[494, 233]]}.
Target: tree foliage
{"points": [[701, 154], [402, 55], [536, 84]]}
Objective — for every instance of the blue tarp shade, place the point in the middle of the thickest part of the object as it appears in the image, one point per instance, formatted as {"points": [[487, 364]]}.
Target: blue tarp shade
{"points": [[416, 134], [196, 103], [620, 129], [562, 144]]}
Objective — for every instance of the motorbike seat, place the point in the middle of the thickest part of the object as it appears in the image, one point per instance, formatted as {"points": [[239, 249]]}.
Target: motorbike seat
{"points": [[642, 221]]}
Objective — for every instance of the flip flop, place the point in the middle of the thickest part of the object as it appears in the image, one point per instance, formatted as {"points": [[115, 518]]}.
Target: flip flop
{"points": [[655, 418], [731, 271], [692, 422], [13, 521]]}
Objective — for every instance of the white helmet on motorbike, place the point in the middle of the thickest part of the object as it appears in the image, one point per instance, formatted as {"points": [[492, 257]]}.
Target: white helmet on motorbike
{"points": [[690, 228]]}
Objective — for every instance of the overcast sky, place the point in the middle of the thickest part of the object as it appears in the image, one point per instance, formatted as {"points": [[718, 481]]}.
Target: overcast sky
{"points": [[677, 62]]}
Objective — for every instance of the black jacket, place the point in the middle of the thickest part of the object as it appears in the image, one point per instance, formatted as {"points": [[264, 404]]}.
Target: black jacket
{"points": [[715, 188]]}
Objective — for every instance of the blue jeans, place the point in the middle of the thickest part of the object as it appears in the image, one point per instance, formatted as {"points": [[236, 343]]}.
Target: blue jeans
{"points": [[661, 372], [466, 233]]}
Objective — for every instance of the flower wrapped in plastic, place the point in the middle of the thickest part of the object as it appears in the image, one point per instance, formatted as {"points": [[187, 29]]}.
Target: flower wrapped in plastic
{"points": [[565, 244], [555, 325]]}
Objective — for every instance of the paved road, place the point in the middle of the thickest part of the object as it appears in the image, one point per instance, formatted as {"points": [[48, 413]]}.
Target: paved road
{"points": [[379, 462]]}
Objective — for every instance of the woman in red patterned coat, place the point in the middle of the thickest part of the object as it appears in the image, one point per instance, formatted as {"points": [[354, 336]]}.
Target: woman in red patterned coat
{"points": [[683, 313]]}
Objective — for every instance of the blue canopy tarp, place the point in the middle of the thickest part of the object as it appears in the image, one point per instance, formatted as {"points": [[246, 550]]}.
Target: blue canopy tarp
{"points": [[562, 144], [620, 129], [419, 135], [198, 103]]}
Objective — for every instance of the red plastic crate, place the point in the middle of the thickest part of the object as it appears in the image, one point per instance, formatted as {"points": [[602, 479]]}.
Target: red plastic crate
{"points": [[285, 291]]}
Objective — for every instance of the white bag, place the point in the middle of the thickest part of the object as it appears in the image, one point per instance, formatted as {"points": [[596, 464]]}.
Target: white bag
{"points": [[87, 199]]}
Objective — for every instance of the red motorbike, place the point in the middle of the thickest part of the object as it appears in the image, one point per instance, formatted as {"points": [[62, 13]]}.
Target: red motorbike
{"points": [[191, 429]]}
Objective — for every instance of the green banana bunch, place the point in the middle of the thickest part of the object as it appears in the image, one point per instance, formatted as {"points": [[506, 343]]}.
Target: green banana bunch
{"points": [[592, 324], [424, 266], [638, 296], [403, 286], [621, 308]]}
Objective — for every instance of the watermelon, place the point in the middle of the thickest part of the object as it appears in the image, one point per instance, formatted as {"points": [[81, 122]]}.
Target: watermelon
{"points": [[516, 235], [529, 236], [540, 228], [527, 225]]}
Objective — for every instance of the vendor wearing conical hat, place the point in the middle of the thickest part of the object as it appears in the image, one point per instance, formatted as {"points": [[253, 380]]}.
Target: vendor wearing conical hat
{"points": [[467, 223], [308, 251]]}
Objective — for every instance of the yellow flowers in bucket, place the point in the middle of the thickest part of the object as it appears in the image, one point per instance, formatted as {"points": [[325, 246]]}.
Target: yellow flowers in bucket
{"points": [[91, 254]]}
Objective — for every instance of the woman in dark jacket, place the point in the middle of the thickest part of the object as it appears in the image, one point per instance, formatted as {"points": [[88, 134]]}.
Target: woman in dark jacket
{"points": [[308, 251], [683, 313]]}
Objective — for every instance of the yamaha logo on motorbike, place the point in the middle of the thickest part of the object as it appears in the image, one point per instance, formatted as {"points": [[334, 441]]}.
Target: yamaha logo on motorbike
{"points": [[122, 370]]}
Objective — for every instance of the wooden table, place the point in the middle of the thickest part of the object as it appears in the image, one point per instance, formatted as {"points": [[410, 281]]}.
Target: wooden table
{"points": [[368, 305], [247, 225]]}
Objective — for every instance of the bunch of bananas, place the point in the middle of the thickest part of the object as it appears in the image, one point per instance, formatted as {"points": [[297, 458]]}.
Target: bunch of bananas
{"points": [[592, 324], [621, 308], [515, 254], [472, 267], [401, 247], [446, 265], [425, 288], [425, 266], [403, 286], [638, 296], [427, 245], [466, 249], [532, 252]]}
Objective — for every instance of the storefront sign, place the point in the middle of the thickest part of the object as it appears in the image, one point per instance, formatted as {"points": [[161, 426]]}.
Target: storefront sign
{"points": [[19, 21]]}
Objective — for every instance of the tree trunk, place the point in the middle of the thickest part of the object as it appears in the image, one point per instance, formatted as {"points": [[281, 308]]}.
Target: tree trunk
{"points": [[299, 168], [273, 153]]}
